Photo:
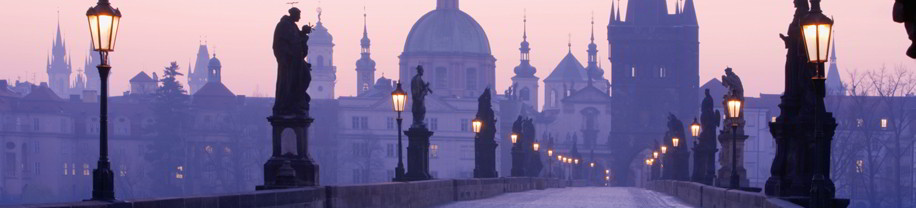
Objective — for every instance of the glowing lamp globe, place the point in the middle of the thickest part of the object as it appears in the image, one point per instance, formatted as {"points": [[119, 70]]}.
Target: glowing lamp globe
{"points": [[104, 21]]}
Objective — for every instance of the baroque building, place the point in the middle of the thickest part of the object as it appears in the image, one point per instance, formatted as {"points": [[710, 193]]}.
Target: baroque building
{"points": [[321, 56]]}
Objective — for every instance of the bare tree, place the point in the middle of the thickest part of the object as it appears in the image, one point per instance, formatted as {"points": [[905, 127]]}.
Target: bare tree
{"points": [[894, 90], [860, 107]]}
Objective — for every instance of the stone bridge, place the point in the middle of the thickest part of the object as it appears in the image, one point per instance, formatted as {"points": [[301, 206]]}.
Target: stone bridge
{"points": [[465, 193]]}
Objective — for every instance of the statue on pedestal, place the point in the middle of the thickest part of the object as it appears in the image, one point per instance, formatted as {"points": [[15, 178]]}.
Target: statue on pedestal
{"points": [[419, 89]]}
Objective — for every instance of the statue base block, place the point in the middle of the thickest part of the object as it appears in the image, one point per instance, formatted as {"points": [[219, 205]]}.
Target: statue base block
{"points": [[418, 154], [290, 166]]}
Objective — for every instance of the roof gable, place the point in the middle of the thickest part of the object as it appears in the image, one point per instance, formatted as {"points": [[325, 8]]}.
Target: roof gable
{"points": [[569, 69]]}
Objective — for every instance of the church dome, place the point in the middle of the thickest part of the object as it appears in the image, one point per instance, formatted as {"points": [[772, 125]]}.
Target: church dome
{"points": [[447, 29], [320, 35], [214, 62]]}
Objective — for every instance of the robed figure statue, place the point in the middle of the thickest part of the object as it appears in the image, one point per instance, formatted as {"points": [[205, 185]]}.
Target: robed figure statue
{"points": [[290, 46], [419, 89]]}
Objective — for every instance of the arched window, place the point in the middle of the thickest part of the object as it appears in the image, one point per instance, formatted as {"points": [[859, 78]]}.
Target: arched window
{"points": [[553, 97], [662, 72], [524, 94], [320, 61]]}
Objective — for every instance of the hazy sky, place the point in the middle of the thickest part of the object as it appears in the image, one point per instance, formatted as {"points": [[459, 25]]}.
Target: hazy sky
{"points": [[741, 34]]}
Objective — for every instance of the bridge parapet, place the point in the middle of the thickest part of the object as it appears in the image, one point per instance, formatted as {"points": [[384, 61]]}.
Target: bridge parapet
{"points": [[702, 195], [394, 194]]}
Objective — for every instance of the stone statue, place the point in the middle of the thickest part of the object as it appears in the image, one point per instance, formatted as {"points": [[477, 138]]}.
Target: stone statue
{"points": [[419, 89], [675, 126], [904, 11], [293, 77], [731, 81], [709, 117], [485, 113]]}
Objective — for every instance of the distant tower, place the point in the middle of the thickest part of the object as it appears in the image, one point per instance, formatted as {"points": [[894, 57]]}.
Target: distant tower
{"points": [[321, 56], [834, 83], [93, 82], [79, 84], [365, 66], [198, 77], [524, 73], [594, 72], [214, 70], [59, 67], [654, 70]]}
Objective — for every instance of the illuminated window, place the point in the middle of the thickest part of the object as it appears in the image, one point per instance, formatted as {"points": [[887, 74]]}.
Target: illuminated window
{"points": [[434, 151], [662, 72], [860, 166], [208, 149], [179, 174], [883, 123], [633, 71], [72, 168], [464, 124], [66, 169], [860, 122], [85, 169], [123, 170]]}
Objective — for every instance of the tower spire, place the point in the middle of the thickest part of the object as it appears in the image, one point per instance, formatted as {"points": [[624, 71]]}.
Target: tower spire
{"points": [[593, 27], [569, 42], [613, 13], [525, 25], [618, 12]]}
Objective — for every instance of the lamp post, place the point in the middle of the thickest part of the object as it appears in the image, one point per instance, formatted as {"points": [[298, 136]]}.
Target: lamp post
{"points": [[549, 161], [734, 112], [399, 101], [817, 30], [104, 21], [518, 158]]}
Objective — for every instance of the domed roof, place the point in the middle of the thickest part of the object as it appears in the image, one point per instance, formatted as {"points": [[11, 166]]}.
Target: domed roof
{"points": [[320, 35], [447, 29], [214, 62]]}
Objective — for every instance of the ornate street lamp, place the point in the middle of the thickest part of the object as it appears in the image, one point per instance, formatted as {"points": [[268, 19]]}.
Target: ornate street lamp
{"points": [[664, 149], [576, 161], [549, 152], [655, 154], [675, 141], [536, 146], [817, 30], [399, 101], [592, 164], [104, 21], [734, 113], [695, 128]]}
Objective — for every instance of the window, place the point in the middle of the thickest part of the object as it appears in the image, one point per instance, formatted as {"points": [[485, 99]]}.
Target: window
{"points": [[389, 123], [471, 79], [434, 151], [63, 125], [434, 124], [355, 123], [66, 169], [464, 125], [364, 122], [85, 169], [122, 170], [662, 72], [392, 150], [320, 61], [10, 164], [360, 149], [72, 168], [37, 168], [860, 122], [633, 71], [36, 124], [179, 172], [883, 123], [357, 175], [553, 97], [441, 78]]}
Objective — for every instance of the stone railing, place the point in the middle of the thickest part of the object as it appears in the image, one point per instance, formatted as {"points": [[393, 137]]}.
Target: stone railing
{"points": [[394, 194], [701, 195]]}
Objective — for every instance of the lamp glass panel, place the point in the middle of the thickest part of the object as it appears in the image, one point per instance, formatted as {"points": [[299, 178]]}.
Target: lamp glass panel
{"points": [[94, 31], [695, 129], [105, 23], [734, 108], [476, 125], [116, 21], [810, 34], [675, 141], [823, 38]]}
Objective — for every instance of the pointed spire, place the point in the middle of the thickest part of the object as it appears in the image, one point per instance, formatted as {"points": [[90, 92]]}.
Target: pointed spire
{"points": [[593, 27], [690, 13], [525, 25], [613, 13], [569, 42], [833, 50], [677, 7], [618, 12]]}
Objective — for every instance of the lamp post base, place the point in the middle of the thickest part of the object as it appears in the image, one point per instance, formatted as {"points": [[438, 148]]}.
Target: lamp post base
{"points": [[103, 183]]}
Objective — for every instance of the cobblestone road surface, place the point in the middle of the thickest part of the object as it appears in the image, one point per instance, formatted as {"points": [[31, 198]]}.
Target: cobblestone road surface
{"points": [[580, 197]]}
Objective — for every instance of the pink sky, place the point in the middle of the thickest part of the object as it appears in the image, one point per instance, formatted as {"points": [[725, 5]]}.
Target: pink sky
{"points": [[740, 34]]}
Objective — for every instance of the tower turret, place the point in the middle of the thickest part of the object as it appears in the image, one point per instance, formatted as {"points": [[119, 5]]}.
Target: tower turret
{"points": [[365, 66], [59, 68], [524, 73], [321, 56]]}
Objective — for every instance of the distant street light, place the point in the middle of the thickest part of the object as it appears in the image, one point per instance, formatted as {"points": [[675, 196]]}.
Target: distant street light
{"points": [[399, 101], [695, 128], [664, 149], [675, 141], [104, 21], [655, 154], [514, 138], [536, 146], [476, 124]]}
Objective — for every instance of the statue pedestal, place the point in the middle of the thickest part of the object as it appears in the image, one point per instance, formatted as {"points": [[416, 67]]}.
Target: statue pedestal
{"points": [[485, 158], [418, 154], [704, 167], [290, 165], [725, 159]]}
